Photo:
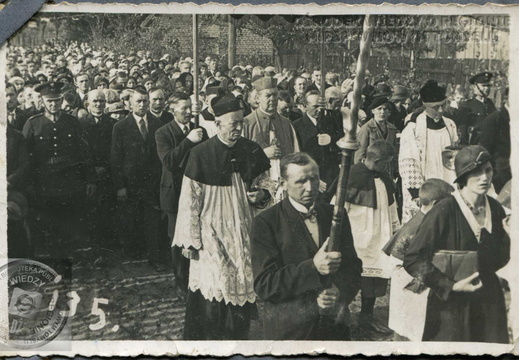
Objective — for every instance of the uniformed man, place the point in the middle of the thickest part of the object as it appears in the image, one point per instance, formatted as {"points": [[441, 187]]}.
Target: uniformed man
{"points": [[474, 111], [61, 167]]}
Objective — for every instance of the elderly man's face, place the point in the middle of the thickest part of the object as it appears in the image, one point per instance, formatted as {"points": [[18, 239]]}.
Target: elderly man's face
{"points": [[435, 111], [96, 103], [157, 101], [268, 100], [182, 111], [230, 125], [312, 105], [302, 183]]}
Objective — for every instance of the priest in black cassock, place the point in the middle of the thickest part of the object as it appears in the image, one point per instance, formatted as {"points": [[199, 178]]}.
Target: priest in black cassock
{"points": [[213, 227]]}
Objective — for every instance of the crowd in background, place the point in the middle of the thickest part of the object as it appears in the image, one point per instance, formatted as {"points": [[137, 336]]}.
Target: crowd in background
{"points": [[95, 182]]}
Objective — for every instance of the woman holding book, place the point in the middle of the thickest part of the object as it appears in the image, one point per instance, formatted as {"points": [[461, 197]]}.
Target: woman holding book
{"points": [[466, 301]]}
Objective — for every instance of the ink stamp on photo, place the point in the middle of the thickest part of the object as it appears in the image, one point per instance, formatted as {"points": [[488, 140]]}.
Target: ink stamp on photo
{"points": [[37, 304]]}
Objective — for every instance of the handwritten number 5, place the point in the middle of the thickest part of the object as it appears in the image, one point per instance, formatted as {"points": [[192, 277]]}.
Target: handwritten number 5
{"points": [[99, 312]]}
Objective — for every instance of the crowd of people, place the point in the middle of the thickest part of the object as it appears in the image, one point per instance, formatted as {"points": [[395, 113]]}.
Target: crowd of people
{"points": [[104, 152]]}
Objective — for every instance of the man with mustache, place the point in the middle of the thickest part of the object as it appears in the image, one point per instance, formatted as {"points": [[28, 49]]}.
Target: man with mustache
{"points": [[273, 132]]}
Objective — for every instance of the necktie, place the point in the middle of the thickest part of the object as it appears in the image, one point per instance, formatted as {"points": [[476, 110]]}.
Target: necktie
{"points": [[311, 215], [10, 117], [186, 130], [144, 131]]}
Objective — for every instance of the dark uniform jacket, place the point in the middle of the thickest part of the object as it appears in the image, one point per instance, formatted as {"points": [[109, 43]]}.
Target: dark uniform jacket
{"points": [[58, 155], [451, 316], [172, 148], [165, 118], [470, 115], [17, 159], [285, 276], [99, 139], [135, 163], [327, 157]]}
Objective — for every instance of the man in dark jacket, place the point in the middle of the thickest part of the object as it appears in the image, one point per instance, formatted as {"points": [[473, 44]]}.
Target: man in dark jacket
{"points": [[158, 105], [136, 174], [97, 128], [174, 140], [305, 288]]}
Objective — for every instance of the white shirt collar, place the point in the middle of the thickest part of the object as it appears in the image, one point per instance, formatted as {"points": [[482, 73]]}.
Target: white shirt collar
{"points": [[138, 119], [225, 142], [300, 207], [264, 112], [157, 115], [182, 126], [312, 119], [471, 219]]}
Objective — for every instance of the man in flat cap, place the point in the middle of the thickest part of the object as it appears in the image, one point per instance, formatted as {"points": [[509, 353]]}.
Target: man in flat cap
{"points": [[422, 146], [213, 227], [61, 168], [273, 132], [474, 111]]}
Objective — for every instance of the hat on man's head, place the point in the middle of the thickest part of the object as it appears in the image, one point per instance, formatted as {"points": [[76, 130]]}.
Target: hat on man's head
{"points": [[265, 83], [378, 101], [400, 93], [431, 92], [50, 90], [225, 104], [382, 90], [470, 158], [117, 107], [380, 78], [482, 78]]}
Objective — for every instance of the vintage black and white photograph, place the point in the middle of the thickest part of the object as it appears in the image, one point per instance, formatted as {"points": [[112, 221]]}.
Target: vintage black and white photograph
{"points": [[218, 176]]}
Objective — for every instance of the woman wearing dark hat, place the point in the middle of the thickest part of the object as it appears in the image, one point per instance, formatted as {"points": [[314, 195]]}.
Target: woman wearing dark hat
{"points": [[465, 303], [378, 128], [423, 141]]}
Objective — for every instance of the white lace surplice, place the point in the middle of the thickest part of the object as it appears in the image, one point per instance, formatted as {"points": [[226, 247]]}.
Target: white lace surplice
{"points": [[216, 220], [371, 230]]}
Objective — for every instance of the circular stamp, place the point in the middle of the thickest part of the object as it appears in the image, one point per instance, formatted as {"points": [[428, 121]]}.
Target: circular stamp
{"points": [[36, 304]]}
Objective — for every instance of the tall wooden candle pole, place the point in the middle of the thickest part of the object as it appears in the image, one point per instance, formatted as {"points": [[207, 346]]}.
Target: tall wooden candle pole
{"points": [[348, 144], [195, 108]]}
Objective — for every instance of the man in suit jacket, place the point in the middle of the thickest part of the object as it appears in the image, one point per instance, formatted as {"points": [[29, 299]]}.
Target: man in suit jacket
{"points": [[318, 138], [16, 118], [305, 288], [158, 105], [174, 140], [97, 129], [136, 174]]}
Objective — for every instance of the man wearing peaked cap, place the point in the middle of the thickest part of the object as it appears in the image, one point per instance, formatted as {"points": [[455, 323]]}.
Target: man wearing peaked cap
{"points": [[472, 112], [220, 190], [424, 139], [61, 168], [273, 132]]}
